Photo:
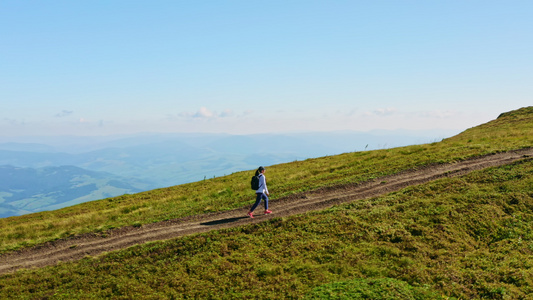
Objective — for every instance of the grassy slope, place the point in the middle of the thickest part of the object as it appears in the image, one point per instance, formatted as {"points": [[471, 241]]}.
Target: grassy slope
{"points": [[463, 237], [512, 130]]}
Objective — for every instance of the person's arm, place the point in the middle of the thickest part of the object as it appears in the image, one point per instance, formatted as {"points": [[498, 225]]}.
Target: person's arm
{"points": [[265, 184]]}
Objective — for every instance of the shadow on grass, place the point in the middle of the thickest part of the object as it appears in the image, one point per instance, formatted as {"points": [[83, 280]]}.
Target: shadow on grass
{"points": [[224, 221]]}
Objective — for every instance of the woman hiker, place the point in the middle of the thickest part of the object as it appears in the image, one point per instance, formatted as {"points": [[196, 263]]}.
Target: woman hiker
{"points": [[261, 192]]}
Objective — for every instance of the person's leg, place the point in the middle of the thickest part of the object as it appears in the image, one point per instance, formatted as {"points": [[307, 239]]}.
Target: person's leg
{"points": [[265, 197], [257, 201]]}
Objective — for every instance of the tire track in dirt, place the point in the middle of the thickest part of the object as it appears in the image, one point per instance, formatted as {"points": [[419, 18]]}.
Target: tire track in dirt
{"points": [[78, 247]]}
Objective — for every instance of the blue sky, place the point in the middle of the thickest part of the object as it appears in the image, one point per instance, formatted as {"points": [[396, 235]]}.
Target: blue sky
{"points": [[115, 67]]}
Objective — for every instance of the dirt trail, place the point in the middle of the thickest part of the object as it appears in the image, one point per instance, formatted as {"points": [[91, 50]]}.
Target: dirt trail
{"points": [[91, 245]]}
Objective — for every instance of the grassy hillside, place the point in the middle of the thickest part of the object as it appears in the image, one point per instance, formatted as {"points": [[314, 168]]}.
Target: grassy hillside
{"points": [[510, 131], [467, 237]]}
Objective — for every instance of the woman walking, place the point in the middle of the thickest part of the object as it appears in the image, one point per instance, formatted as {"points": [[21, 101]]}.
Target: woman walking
{"points": [[261, 193]]}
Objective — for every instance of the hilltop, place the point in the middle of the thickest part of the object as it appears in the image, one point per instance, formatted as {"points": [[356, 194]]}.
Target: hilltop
{"points": [[461, 231]]}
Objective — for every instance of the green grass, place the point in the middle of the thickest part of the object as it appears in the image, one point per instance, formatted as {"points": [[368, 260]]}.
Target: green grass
{"points": [[511, 131], [466, 237], [378, 288]]}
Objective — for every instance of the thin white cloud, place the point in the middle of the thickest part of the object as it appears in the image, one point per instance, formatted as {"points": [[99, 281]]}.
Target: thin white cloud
{"points": [[389, 111], [205, 114], [226, 113], [64, 113], [385, 111]]}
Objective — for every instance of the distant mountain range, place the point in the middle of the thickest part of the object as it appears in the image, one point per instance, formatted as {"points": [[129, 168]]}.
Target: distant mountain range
{"points": [[46, 173], [27, 190]]}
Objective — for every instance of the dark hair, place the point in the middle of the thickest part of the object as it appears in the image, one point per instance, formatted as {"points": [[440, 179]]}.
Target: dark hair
{"points": [[259, 170]]}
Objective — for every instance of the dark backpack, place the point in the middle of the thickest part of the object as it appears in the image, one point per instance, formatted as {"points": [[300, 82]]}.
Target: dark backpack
{"points": [[255, 182]]}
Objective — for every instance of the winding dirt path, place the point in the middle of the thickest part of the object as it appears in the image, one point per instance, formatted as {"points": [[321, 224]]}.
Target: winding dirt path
{"points": [[91, 244]]}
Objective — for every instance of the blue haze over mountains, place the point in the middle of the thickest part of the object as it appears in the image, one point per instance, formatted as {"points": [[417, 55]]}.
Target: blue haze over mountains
{"points": [[47, 173]]}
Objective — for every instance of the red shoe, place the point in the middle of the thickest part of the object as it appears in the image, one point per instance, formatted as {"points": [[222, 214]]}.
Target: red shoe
{"points": [[251, 214], [268, 212]]}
